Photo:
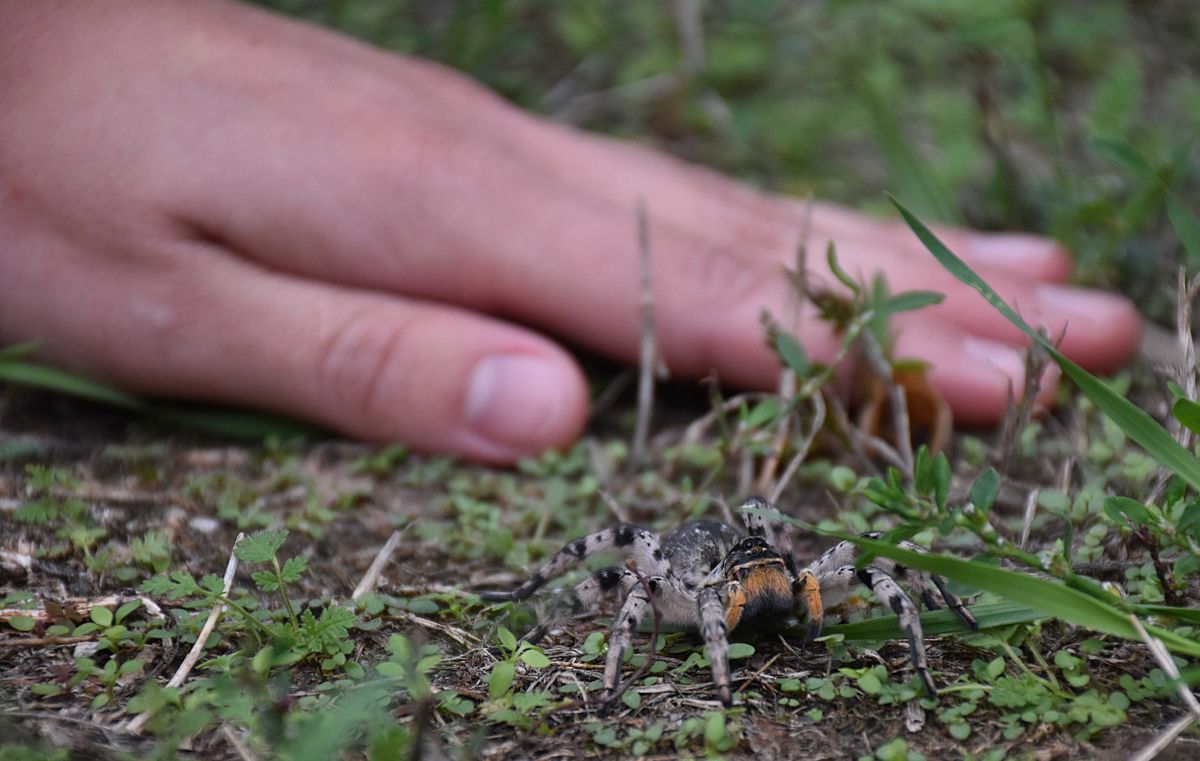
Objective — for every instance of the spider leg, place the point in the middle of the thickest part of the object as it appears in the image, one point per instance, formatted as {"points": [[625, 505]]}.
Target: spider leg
{"points": [[775, 532], [837, 585], [716, 609], [587, 594], [673, 604], [636, 543], [806, 591], [931, 588], [888, 592]]}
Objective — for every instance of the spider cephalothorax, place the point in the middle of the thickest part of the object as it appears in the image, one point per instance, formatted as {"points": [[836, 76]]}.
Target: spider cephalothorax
{"points": [[708, 576]]}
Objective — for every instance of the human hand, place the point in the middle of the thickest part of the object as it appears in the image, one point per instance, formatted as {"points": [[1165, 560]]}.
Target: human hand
{"points": [[205, 200]]}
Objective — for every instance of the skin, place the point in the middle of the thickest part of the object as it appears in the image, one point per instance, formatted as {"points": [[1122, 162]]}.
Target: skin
{"points": [[205, 200]]}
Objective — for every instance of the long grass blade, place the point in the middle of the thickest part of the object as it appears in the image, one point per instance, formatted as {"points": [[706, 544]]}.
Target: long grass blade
{"points": [[1136, 424], [231, 423], [989, 615], [1051, 599], [52, 379]]}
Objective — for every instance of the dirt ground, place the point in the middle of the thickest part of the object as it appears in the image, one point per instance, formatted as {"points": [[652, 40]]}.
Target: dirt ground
{"points": [[136, 477]]}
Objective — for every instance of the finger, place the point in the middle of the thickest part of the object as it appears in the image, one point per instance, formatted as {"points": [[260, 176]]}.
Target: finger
{"points": [[372, 366], [1032, 257], [977, 377], [1099, 330]]}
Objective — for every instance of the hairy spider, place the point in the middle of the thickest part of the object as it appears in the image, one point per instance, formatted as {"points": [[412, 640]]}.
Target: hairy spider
{"points": [[709, 577]]}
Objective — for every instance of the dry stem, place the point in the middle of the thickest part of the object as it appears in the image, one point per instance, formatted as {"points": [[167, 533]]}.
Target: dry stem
{"points": [[185, 668], [647, 358]]}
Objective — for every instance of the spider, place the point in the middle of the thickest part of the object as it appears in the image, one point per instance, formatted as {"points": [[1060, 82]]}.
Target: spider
{"points": [[709, 577]]}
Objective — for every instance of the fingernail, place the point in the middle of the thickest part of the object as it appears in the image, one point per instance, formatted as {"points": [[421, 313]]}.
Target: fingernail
{"points": [[1011, 249], [1080, 302], [1001, 356], [516, 401]]}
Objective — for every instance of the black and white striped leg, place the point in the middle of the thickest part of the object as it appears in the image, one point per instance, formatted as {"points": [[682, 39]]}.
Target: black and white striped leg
{"points": [[635, 543], [775, 532], [837, 585], [589, 594], [930, 588], [637, 605], [713, 612]]}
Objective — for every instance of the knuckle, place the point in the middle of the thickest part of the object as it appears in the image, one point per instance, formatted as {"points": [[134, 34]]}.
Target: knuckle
{"points": [[359, 355]]}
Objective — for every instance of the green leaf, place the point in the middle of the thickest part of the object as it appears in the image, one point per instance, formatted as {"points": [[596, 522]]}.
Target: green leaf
{"points": [[1121, 509], [260, 547], [631, 699], [390, 669], [870, 684], [500, 681], [532, 656], [1189, 522], [984, 490], [101, 616], [908, 301], [593, 644], [506, 639], [265, 580], [995, 667], [1187, 412], [454, 703], [941, 476], [739, 650], [838, 272], [714, 728], [129, 667], [793, 354], [1133, 421], [22, 623], [293, 570], [762, 413], [1122, 155]]}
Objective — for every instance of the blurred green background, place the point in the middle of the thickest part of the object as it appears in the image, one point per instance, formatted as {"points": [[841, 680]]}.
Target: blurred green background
{"points": [[1072, 118]]}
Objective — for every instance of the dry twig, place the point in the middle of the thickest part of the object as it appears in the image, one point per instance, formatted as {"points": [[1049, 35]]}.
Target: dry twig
{"points": [[371, 577], [897, 399], [185, 668], [818, 420], [648, 356]]}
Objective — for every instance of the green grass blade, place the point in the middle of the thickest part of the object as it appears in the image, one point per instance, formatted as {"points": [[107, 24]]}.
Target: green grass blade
{"points": [[907, 170], [19, 351], [1048, 598], [230, 423], [1122, 155], [1188, 615], [52, 379], [989, 615], [1187, 227], [253, 426], [1136, 424]]}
